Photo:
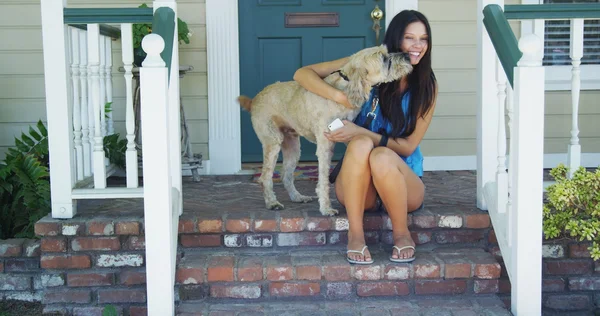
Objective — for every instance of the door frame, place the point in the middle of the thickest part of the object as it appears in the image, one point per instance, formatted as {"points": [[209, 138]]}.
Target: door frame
{"points": [[223, 72]]}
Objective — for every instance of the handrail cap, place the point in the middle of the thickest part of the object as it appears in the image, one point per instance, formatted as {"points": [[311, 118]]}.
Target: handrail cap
{"points": [[153, 45], [530, 45]]}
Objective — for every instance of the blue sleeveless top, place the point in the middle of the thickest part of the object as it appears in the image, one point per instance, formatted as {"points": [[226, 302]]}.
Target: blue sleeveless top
{"points": [[415, 160]]}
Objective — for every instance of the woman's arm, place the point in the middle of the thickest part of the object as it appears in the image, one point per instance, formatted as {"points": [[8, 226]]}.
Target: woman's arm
{"points": [[311, 78]]}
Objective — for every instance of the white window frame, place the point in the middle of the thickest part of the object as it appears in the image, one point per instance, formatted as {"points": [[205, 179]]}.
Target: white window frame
{"points": [[558, 78]]}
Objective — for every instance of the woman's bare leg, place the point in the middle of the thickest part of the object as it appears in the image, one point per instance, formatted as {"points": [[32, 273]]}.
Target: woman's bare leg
{"points": [[401, 191], [354, 189]]}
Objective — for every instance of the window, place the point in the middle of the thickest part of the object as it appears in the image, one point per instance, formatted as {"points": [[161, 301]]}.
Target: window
{"points": [[557, 39]]}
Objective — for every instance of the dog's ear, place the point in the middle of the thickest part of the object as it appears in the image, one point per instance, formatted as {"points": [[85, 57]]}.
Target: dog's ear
{"points": [[358, 89]]}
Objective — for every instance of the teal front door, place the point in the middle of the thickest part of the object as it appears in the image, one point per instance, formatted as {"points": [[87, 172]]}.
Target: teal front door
{"points": [[279, 36]]}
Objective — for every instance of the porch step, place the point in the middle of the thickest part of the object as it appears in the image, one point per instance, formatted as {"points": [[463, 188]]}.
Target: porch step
{"points": [[254, 227], [216, 275], [465, 306]]}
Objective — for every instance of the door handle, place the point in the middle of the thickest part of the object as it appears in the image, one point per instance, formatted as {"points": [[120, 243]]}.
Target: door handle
{"points": [[376, 16]]}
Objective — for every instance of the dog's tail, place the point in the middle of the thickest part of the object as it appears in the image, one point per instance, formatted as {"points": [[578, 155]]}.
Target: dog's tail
{"points": [[245, 102]]}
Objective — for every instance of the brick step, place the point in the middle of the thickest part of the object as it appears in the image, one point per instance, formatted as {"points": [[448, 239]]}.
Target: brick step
{"points": [[464, 306], [256, 229], [326, 275]]}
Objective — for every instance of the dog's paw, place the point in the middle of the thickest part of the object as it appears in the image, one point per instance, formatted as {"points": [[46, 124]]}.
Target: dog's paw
{"points": [[302, 199], [275, 206], [330, 212]]}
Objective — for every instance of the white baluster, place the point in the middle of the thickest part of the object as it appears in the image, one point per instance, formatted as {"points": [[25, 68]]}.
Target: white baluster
{"points": [[76, 102], [158, 186], [87, 133], [501, 176], [131, 157], [526, 252], [102, 73], [576, 52], [94, 62], [109, 86], [510, 109]]}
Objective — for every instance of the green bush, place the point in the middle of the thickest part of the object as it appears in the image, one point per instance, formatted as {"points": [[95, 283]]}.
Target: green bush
{"points": [[572, 207]]}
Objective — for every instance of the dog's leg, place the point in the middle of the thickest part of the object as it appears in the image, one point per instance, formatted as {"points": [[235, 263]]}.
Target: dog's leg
{"points": [[270, 153], [324, 154], [291, 155]]}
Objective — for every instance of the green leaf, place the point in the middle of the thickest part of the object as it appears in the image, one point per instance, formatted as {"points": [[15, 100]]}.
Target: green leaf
{"points": [[35, 134]]}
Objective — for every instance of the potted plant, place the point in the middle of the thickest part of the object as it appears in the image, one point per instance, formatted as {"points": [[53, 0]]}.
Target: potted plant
{"points": [[142, 29]]}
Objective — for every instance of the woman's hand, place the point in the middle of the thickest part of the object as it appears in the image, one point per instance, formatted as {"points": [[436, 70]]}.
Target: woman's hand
{"points": [[345, 133], [342, 99]]}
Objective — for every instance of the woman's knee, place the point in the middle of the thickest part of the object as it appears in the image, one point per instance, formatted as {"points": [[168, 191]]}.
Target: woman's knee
{"points": [[360, 146], [382, 160]]}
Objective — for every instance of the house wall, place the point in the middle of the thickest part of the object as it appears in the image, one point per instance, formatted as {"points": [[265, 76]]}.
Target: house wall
{"points": [[453, 130], [22, 96]]}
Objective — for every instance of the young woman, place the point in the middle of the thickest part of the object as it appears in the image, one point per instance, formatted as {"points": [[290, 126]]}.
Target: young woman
{"points": [[383, 163]]}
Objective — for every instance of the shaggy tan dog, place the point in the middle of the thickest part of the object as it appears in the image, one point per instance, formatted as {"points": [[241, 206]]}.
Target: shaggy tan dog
{"points": [[284, 110]]}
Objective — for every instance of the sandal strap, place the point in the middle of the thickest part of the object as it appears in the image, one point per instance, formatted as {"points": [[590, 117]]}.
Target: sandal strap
{"points": [[405, 247], [362, 252]]}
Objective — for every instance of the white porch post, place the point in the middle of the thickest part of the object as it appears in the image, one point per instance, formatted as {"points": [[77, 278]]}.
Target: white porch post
{"points": [[393, 7], [526, 257], [58, 108], [157, 179], [224, 140], [487, 113]]}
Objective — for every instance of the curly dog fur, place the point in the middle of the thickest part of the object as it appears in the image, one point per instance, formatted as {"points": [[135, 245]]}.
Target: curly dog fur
{"points": [[283, 111]]}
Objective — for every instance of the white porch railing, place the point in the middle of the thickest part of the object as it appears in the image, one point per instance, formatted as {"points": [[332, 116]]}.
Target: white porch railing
{"points": [[78, 81], [511, 96]]}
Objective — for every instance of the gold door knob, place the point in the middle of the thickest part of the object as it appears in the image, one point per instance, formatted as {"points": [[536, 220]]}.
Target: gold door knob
{"points": [[376, 16]]}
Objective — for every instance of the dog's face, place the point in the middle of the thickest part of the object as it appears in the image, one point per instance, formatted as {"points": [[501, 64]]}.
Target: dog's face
{"points": [[372, 66]]}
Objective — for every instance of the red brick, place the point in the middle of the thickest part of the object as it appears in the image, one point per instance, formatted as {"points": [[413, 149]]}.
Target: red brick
{"points": [[424, 221], [371, 222], [138, 311], [301, 239], [249, 269], [220, 268], [427, 270], [382, 289], [265, 225], [73, 229], [11, 247], [31, 248], [127, 228], [457, 270], [370, 272], [458, 236], [553, 285], [210, 226], [318, 224], [241, 225], [568, 267], [310, 273], [235, 291], [22, 265], [492, 237], [504, 286], [11, 282], [279, 269], [568, 302], [487, 271], [294, 224], [100, 228], [67, 296], [440, 287], [478, 221], [294, 289], [339, 289], [194, 240], [337, 272], [121, 296], [1, 267], [190, 275], [58, 244], [186, 226], [90, 279], [584, 284], [135, 243], [96, 244], [396, 272], [47, 229], [65, 262], [579, 250], [130, 277], [485, 286], [259, 240]]}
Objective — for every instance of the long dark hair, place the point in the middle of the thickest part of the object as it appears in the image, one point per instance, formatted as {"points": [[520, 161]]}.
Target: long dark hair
{"points": [[421, 81]]}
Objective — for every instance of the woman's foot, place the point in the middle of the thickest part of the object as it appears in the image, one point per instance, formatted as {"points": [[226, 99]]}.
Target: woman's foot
{"points": [[357, 250], [404, 247]]}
